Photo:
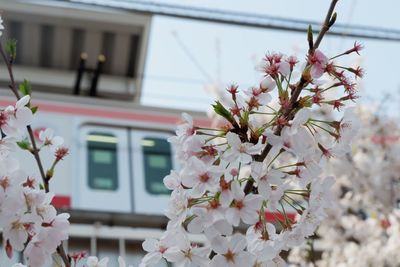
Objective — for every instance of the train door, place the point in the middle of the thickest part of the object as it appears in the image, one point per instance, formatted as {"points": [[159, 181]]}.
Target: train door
{"points": [[152, 161], [104, 177]]}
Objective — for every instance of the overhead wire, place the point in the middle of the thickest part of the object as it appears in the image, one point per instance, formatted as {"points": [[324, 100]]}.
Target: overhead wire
{"points": [[239, 18]]}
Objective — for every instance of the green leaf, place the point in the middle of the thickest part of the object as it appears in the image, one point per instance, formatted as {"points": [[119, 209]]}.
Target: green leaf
{"points": [[34, 109], [244, 119], [25, 87], [305, 102], [24, 144], [11, 48], [49, 173], [332, 20], [41, 186], [222, 111]]}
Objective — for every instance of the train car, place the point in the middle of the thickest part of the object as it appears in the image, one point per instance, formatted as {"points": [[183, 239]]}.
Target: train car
{"points": [[119, 154], [113, 178]]}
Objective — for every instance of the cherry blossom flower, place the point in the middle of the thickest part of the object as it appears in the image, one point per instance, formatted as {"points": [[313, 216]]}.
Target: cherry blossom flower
{"points": [[265, 178], [19, 116], [257, 97], [274, 64], [7, 145], [177, 207], [276, 195], [78, 256], [201, 176], [186, 129], [226, 195], [301, 118], [230, 252], [16, 233], [318, 62], [36, 252], [301, 143], [185, 255], [263, 242], [188, 147], [320, 197], [240, 151], [49, 140], [173, 180], [206, 216], [349, 126], [267, 84], [94, 262], [245, 207], [158, 248]]}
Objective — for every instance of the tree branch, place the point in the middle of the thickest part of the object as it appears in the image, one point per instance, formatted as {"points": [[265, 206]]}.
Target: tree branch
{"points": [[35, 151], [288, 112]]}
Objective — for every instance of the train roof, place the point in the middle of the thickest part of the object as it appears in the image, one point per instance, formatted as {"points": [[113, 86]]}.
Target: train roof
{"points": [[61, 102]]}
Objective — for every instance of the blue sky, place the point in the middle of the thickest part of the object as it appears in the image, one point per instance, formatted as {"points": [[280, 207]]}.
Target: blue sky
{"points": [[186, 56]]}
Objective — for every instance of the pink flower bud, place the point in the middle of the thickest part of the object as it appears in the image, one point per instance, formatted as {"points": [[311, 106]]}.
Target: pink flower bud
{"points": [[9, 249], [61, 152]]}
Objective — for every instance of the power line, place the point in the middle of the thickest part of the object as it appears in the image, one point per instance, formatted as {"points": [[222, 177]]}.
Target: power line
{"points": [[191, 57], [244, 19]]}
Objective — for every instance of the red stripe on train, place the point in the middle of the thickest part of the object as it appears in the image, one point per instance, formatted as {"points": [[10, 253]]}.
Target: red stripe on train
{"points": [[64, 202], [112, 114], [61, 202]]}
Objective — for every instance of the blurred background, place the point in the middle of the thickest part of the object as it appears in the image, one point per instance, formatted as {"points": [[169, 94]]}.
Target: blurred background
{"points": [[112, 77]]}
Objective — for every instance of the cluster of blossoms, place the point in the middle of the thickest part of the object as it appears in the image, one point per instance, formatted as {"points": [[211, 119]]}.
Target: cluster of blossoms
{"points": [[91, 261], [252, 184], [232, 186], [28, 220], [363, 228]]}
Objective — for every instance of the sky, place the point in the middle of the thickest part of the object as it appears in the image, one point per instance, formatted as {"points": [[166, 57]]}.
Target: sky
{"points": [[185, 57]]}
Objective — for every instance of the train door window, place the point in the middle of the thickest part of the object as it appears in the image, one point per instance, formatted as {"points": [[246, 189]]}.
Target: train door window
{"points": [[157, 163], [102, 161], [152, 160], [104, 181]]}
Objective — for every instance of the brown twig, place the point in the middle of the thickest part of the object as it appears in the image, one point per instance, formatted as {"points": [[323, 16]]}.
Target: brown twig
{"points": [[35, 153], [35, 150], [10, 72], [329, 20], [65, 258], [288, 112]]}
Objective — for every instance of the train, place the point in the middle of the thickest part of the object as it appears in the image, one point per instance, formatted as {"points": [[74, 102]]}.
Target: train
{"points": [[119, 152], [111, 182]]}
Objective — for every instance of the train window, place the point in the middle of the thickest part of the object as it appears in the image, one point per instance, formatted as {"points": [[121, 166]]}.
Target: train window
{"points": [[157, 164], [102, 161]]}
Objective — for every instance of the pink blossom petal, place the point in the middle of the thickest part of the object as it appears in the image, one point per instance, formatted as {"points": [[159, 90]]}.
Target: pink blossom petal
{"points": [[23, 101]]}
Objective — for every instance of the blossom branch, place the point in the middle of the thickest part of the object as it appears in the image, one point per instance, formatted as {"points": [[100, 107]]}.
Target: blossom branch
{"points": [[288, 112], [34, 150], [329, 21], [10, 72]]}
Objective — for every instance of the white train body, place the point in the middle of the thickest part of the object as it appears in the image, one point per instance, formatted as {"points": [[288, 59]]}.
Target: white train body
{"points": [[118, 155]]}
